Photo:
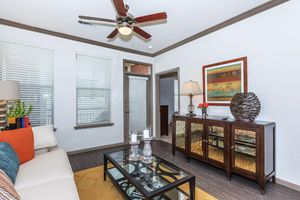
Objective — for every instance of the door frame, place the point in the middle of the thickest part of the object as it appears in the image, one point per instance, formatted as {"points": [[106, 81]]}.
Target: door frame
{"points": [[157, 94], [125, 97]]}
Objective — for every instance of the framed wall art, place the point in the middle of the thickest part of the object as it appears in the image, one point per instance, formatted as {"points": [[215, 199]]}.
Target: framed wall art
{"points": [[222, 80]]}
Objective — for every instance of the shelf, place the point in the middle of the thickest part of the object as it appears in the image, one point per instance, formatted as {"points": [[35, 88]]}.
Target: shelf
{"points": [[216, 146], [245, 138], [216, 136], [245, 150], [245, 143], [131, 192], [248, 154]]}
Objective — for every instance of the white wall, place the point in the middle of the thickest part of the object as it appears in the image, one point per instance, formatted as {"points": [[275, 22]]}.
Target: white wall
{"points": [[65, 87], [271, 42]]}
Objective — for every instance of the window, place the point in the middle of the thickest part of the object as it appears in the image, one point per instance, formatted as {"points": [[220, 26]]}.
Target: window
{"points": [[32, 67], [93, 91]]}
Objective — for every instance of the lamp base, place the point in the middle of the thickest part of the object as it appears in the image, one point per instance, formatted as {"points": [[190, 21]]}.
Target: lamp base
{"points": [[3, 116], [191, 108], [191, 115]]}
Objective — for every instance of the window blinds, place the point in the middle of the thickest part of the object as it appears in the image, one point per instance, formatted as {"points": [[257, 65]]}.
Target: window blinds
{"points": [[32, 67], [93, 90]]}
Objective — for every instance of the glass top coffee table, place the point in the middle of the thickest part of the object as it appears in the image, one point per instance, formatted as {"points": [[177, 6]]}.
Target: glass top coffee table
{"points": [[136, 180]]}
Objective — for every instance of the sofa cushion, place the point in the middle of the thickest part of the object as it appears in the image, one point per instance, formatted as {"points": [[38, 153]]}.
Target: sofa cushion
{"points": [[44, 168], [44, 137], [7, 190], [9, 161], [63, 189], [22, 142]]}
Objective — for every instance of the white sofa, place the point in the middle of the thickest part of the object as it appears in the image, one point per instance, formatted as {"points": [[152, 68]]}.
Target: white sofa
{"points": [[47, 177]]}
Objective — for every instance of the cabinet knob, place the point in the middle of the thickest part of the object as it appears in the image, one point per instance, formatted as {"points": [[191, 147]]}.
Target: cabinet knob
{"points": [[232, 147]]}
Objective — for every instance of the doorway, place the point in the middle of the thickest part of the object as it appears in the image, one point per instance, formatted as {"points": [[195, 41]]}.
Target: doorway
{"points": [[167, 102], [137, 97]]}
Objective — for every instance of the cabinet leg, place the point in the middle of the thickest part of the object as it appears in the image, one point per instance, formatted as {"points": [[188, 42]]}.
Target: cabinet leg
{"points": [[273, 179], [173, 152], [262, 188], [188, 159], [229, 177]]}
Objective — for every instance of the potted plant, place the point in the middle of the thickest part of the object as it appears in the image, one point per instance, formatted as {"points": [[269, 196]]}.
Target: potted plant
{"points": [[18, 115], [203, 107]]}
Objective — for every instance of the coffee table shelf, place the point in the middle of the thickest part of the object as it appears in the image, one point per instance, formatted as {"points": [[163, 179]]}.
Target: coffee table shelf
{"points": [[158, 181], [130, 192]]}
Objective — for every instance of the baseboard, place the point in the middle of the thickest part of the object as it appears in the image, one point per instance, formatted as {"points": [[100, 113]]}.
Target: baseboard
{"points": [[95, 148], [288, 184]]}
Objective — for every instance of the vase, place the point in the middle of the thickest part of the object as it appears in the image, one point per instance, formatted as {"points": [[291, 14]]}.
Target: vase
{"points": [[19, 122], [12, 124], [245, 106], [26, 122]]}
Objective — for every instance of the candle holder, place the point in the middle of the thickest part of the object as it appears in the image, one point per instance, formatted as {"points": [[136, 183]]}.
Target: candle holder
{"points": [[134, 151], [147, 151]]}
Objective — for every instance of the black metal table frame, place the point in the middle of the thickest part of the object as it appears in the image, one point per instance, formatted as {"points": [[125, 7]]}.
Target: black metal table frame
{"points": [[149, 195]]}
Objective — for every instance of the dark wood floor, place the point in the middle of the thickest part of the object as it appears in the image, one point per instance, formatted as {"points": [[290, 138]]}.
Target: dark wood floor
{"points": [[209, 179]]}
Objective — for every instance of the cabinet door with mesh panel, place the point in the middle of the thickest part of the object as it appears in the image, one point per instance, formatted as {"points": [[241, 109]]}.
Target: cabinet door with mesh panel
{"points": [[197, 139], [244, 150], [216, 143], [180, 134]]}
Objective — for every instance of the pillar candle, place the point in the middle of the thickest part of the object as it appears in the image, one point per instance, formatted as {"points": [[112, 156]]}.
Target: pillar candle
{"points": [[133, 137], [146, 134]]}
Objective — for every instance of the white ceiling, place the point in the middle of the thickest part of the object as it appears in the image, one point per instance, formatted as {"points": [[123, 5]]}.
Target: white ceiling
{"points": [[185, 17]]}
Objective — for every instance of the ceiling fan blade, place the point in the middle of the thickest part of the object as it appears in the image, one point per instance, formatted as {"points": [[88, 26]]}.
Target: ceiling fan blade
{"points": [[120, 7], [113, 34], [96, 19], [83, 22], [153, 17], [141, 32], [95, 23]]}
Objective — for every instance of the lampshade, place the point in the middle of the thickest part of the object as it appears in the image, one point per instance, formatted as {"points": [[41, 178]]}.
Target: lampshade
{"points": [[9, 90], [191, 88]]}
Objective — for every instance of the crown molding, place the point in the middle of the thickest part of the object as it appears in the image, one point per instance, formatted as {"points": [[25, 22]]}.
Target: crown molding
{"points": [[266, 6], [71, 37], [238, 18]]}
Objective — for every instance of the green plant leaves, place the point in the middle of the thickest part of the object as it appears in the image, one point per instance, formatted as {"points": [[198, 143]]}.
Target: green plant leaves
{"points": [[19, 109]]}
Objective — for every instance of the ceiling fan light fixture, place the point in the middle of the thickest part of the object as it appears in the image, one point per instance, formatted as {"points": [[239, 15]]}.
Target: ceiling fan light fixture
{"points": [[125, 23], [125, 29]]}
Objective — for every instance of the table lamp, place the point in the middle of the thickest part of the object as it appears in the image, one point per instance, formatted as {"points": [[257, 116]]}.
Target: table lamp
{"points": [[191, 88], [9, 91]]}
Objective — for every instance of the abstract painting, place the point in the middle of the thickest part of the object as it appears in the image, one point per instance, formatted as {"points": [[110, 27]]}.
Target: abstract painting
{"points": [[221, 81]]}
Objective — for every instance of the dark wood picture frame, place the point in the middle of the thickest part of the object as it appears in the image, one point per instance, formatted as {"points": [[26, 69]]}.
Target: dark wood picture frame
{"points": [[245, 77]]}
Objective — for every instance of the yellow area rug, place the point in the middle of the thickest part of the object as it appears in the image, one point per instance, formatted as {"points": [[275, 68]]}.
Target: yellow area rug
{"points": [[90, 186]]}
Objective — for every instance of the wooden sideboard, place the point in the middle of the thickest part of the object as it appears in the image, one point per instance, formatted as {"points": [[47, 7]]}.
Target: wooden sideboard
{"points": [[246, 149]]}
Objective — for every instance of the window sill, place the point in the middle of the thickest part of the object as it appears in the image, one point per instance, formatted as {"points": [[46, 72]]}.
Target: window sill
{"points": [[92, 126]]}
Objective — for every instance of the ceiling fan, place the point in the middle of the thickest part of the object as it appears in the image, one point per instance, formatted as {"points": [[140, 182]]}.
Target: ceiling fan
{"points": [[125, 22]]}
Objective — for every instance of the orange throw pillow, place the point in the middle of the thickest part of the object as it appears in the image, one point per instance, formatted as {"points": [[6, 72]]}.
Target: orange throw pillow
{"points": [[21, 141]]}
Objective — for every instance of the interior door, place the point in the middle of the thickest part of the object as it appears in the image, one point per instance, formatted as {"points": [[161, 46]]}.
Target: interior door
{"points": [[164, 120], [137, 104]]}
